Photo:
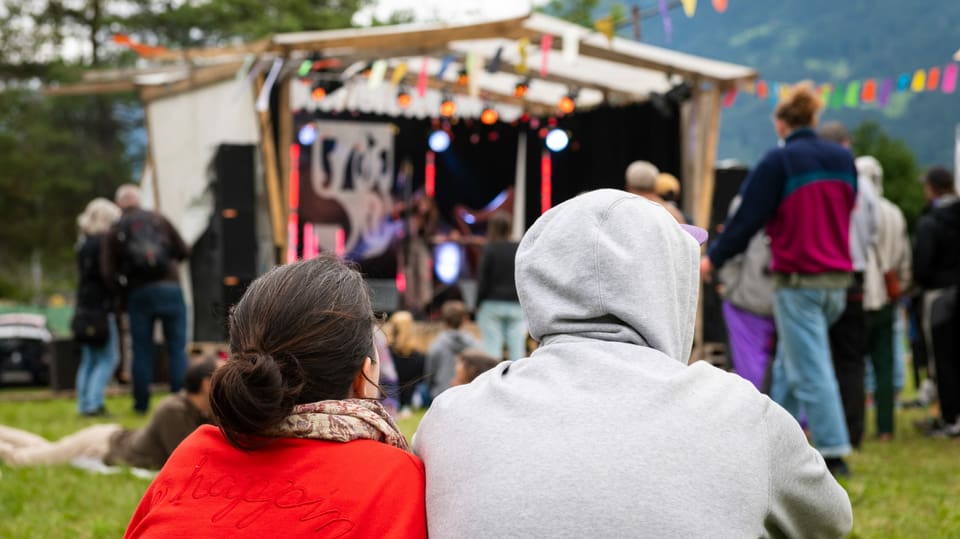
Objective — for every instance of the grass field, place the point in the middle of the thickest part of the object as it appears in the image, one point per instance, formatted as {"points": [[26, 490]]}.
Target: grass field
{"points": [[906, 488]]}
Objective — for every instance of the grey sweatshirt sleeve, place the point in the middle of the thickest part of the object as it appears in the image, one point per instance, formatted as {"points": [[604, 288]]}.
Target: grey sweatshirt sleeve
{"points": [[804, 498]]}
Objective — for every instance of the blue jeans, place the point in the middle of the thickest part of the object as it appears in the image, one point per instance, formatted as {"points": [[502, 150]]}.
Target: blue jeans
{"points": [[502, 321], [145, 305], [97, 364], [803, 377]]}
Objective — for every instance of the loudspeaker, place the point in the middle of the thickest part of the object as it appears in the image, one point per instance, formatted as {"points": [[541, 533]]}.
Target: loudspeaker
{"points": [[224, 259]]}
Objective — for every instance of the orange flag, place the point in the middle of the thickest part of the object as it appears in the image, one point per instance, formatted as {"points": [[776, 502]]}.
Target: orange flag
{"points": [[933, 79], [720, 5], [869, 92], [142, 50]]}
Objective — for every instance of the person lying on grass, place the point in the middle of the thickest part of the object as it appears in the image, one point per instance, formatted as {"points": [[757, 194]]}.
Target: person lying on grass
{"points": [[149, 447]]}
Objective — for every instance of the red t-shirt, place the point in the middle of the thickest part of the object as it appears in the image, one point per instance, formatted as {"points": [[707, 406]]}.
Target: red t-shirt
{"points": [[291, 488]]}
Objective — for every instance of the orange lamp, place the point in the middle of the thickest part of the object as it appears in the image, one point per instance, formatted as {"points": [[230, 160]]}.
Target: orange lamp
{"points": [[566, 104], [447, 108], [489, 116]]}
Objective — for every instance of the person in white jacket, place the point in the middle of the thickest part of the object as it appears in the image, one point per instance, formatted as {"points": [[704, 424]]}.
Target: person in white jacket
{"points": [[605, 430]]}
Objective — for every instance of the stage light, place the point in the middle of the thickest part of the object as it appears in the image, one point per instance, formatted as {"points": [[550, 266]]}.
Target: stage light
{"points": [[463, 78], [318, 93], [557, 140], [307, 134], [449, 259], [439, 141], [520, 90], [403, 98], [447, 107], [566, 104], [489, 116]]}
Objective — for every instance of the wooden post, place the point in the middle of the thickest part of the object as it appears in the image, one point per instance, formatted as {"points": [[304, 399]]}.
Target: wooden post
{"points": [[269, 151], [285, 119]]}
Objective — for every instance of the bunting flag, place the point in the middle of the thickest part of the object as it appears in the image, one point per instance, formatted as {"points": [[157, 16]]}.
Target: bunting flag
{"points": [[730, 97], [825, 92], [933, 79], [775, 93], [919, 81], [689, 7], [546, 43], [139, 48], [473, 74], [720, 5], [886, 90], [494, 64], [444, 64], [571, 45], [667, 23], [377, 72], [263, 100], [522, 45], [903, 82], [852, 98], [762, 89], [869, 92], [950, 79], [836, 100], [422, 77], [398, 73], [248, 63], [605, 26]]}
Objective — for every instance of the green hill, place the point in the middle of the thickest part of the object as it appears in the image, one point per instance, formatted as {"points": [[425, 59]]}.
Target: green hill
{"points": [[828, 41]]}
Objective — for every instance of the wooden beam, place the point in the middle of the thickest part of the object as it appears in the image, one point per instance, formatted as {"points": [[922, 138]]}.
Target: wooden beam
{"points": [[269, 152], [198, 79], [256, 47], [90, 88], [285, 130]]}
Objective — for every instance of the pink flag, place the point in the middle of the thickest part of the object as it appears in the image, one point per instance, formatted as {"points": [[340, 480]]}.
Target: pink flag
{"points": [[949, 79], [730, 97], [545, 45], [422, 78]]}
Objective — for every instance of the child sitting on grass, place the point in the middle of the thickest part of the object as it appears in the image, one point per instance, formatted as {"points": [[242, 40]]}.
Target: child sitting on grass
{"points": [[470, 364]]}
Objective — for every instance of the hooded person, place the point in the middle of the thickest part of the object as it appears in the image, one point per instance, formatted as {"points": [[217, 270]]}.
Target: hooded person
{"points": [[605, 431]]}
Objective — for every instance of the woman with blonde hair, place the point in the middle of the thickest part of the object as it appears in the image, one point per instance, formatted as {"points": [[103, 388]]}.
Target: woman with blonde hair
{"points": [[407, 359], [803, 192], [94, 323]]}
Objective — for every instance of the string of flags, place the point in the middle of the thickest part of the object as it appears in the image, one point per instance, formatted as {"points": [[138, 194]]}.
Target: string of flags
{"points": [[874, 91]]}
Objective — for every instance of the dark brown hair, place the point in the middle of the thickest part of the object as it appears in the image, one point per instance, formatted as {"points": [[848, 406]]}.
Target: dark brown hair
{"points": [[499, 227], [800, 107], [476, 362], [940, 180], [300, 334], [454, 313]]}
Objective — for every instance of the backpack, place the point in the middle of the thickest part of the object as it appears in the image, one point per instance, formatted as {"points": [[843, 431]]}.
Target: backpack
{"points": [[145, 250]]}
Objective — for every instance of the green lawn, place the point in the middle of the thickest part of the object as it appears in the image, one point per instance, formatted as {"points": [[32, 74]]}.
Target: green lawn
{"points": [[907, 488]]}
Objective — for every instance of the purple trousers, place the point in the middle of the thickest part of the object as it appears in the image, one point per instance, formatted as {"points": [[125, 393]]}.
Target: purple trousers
{"points": [[751, 339]]}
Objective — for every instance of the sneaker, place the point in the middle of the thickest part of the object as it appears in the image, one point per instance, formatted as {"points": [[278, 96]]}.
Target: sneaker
{"points": [[838, 467]]}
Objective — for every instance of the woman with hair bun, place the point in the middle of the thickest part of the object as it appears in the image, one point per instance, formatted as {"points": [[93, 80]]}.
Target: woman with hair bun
{"points": [[304, 447], [803, 192]]}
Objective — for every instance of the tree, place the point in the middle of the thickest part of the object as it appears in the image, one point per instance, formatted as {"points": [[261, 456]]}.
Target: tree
{"points": [[900, 171]]}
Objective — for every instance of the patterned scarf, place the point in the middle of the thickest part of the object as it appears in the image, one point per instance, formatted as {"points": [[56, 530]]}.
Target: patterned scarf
{"points": [[341, 421]]}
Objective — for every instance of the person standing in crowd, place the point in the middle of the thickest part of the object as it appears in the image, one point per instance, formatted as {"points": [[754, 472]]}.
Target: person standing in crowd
{"points": [[95, 321], [848, 335], [141, 253], [747, 292], [443, 351], [667, 187], [149, 447], [936, 269], [304, 448], [605, 430], [470, 364], [803, 193], [408, 360], [887, 273], [641, 180], [498, 310]]}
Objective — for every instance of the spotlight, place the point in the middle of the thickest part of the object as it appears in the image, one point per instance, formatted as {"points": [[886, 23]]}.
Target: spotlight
{"points": [[449, 260], [447, 107], [318, 93], [557, 140], [489, 116], [307, 134], [566, 104], [403, 98], [521, 88], [439, 141], [463, 78]]}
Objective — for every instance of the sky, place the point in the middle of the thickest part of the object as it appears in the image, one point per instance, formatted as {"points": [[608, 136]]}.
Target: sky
{"points": [[447, 10]]}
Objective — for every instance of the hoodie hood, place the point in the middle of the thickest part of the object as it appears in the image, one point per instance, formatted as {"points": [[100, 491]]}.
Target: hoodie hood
{"points": [[610, 266]]}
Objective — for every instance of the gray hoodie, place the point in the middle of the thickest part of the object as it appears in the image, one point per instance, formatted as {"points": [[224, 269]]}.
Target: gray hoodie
{"points": [[605, 431]]}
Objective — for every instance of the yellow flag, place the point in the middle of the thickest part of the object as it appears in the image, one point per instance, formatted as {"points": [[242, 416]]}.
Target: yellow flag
{"points": [[605, 27], [689, 7], [919, 81], [398, 73], [522, 45]]}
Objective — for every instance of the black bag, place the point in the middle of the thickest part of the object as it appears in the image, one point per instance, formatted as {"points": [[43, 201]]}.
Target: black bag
{"points": [[90, 327], [145, 250]]}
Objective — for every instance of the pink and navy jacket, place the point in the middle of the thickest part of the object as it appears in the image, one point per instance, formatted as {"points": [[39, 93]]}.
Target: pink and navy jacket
{"points": [[804, 193]]}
